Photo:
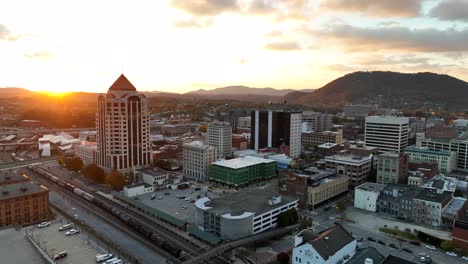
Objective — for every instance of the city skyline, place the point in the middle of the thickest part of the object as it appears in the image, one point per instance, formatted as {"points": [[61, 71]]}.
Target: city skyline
{"points": [[179, 46]]}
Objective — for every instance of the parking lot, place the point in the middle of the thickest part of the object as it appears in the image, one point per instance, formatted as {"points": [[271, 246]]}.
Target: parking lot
{"points": [[78, 247], [178, 203], [15, 248]]}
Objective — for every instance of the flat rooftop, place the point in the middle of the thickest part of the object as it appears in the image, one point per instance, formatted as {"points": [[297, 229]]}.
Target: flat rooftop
{"points": [[413, 149], [242, 162], [152, 171], [8, 178], [390, 154], [14, 190], [254, 201], [349, 158], [455, 205], [431, 195], [371, 187]]}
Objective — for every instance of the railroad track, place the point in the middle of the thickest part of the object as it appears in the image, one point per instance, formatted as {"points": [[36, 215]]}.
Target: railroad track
{"points": [[190, 249], [105, 216]]}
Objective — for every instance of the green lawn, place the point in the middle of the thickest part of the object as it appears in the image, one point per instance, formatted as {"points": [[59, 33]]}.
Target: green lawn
{"points": [[399, 233]]}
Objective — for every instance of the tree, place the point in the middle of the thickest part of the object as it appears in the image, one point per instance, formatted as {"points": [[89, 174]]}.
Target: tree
{"points": [[288, 217], [447, 245], [95, 173], [116, 180], [282, 257], [306, 223], [202, 128], [341, 206], [458, 193], [62, 161], [74, 164]]}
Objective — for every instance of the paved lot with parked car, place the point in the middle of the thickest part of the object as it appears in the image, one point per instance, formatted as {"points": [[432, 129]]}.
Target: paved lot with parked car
{"points": [[77, 246]]}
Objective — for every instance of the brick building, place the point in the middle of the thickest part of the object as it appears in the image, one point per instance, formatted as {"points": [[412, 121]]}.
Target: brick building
{"points": [[23, 204]]}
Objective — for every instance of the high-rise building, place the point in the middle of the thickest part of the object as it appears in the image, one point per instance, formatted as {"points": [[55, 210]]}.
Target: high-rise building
{"points": [[233, 117], [274, 129], [197, 159], [316, 121], [388, 133], [392, 167], [219, 134], [122, 128]]}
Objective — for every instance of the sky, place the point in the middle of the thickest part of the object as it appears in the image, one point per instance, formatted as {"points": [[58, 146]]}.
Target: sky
{"points": [[184, 45]]}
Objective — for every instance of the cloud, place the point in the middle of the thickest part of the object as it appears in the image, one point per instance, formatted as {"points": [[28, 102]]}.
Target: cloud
{"points": [[42, 55], [375, 8], [394, 38], [274, 34], [5, 34], [205, 7], [451, 10], [193, 23], [283, 46]]}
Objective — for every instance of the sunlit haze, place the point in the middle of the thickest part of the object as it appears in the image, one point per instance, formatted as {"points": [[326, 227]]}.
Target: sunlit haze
{"points": [[183, 45]]}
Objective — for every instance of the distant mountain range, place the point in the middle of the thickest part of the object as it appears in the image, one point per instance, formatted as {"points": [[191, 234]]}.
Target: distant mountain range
{"points": [[389, 89], [244, 90]]}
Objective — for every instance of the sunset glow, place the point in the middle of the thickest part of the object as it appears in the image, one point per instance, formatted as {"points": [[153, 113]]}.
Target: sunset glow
{"points": [[180, 45]]}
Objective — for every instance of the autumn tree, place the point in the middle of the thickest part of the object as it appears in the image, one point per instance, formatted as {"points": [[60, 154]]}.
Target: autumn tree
{"points": [[74, 164], [95, 173], [116, 180]]}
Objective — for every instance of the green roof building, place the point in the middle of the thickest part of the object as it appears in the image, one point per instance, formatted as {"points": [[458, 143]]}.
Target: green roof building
{"points": [[242, 171]]}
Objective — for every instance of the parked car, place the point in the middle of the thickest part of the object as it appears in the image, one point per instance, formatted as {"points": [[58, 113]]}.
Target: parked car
{"points": [[153, 196], [43, 224], [346, 257], [381, 242], [407, 250], [402, 240], [188, 199], [393, 246], [371, 239], [431, 247], [72, 232], [198, 196], [184, 208], [65, 227], [416, 243], [197, 189], [450, 253], [167, 193], [465, 258], [358, 239], [60, 255], [425, 260]]}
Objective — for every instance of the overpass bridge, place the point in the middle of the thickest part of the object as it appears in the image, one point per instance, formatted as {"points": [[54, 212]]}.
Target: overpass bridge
{"points": [[26, 163], [218, 250], [4, 146]]}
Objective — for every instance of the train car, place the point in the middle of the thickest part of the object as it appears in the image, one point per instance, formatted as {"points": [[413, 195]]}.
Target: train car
{"points": [[156, 239], [70, 186], [145, 231], [88, 196], [78, 191], [124, 217], [54, 179], [173, 250], [61, 182]]}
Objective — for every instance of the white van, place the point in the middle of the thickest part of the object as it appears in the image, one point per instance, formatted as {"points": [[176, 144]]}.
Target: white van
{"points": [[103, 257]]}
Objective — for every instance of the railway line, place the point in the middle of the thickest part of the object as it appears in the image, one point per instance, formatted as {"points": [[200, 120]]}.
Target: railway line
{"points": [[180, 248], [102, 214]]}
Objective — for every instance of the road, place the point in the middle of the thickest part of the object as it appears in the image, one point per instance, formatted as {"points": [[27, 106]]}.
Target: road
{"points": [[326, 219], [109, 228]]}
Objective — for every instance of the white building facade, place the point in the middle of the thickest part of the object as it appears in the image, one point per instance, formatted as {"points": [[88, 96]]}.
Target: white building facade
{"points": [[366, 195], [446, 160], [122, 125], [388, 133], [86, 152], [197, 159], [219, 135]]}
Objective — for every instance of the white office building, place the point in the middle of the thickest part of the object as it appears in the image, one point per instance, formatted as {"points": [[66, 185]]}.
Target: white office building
{"points": [[86, 151], [388, 133], [197, 159], [446, 160], [122, 128], [219, 135]]}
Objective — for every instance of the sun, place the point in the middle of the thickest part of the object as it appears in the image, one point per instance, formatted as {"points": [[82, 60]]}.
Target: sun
{"points": [[56, 93]]}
